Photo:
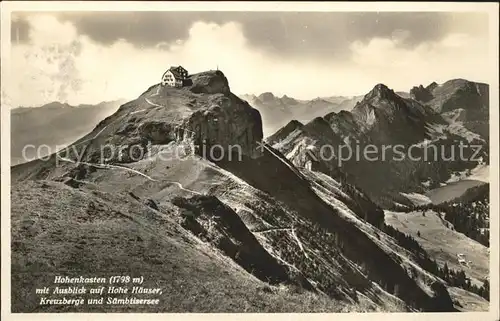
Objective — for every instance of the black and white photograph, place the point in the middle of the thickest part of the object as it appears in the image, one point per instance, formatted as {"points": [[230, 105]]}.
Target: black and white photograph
{"points": [[292, 158]]}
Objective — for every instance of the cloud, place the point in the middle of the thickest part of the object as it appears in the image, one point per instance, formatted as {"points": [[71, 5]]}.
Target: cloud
{"points": [[454, 56], [328, 34], [58, 62]]}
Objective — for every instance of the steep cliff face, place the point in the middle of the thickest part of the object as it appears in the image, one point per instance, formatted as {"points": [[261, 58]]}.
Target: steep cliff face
{"points": [[213, 221], [271, 175], [388, 118], [381, 117], [228, 123]]}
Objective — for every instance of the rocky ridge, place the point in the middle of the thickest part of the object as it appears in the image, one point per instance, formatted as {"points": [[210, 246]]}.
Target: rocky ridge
{"points": [[382, 118]]}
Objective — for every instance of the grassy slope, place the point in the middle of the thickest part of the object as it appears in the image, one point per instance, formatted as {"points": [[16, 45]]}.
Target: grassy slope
{"points": [[410, 225], [469, 301], [442, 242], [257, 210], [54, 229], [385, 242]]}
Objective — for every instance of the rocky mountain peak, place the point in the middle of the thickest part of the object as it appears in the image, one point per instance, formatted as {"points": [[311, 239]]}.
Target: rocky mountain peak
{"points": [[380, 91], [432, 86], [203, 112], [283, 132], [288, 100], [380, 98], [267, 96]]}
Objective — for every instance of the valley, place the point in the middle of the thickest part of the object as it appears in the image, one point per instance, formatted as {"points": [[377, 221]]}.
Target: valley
{"points": [[38, 131]]}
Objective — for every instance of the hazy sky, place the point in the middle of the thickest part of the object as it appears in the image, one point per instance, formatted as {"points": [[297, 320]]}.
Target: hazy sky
{"points": [[91, 57]]}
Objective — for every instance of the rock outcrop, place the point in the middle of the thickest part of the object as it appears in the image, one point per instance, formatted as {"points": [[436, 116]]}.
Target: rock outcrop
{"points": [[286, 130], [210, 82], [421, 94], [229, 123], [441, 301]]}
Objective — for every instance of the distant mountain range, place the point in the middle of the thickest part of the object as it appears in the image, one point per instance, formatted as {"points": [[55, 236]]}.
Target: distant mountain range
{"points": [[276, 111], [53, 124]]}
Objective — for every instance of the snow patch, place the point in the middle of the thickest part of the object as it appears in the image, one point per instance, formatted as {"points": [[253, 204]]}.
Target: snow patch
{"points": [[426, 183]]}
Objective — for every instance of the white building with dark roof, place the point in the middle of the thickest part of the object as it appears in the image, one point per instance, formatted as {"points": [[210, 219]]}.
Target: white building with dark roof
{"points": [[174, 77]]}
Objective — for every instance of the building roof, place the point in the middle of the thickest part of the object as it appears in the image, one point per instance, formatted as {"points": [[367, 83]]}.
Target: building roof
{"points": [[176, 71], [178, 67]]}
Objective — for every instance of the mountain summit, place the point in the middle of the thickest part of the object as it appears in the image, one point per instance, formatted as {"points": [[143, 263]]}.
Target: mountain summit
{"points": [[266, 97], [204, 112]]}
